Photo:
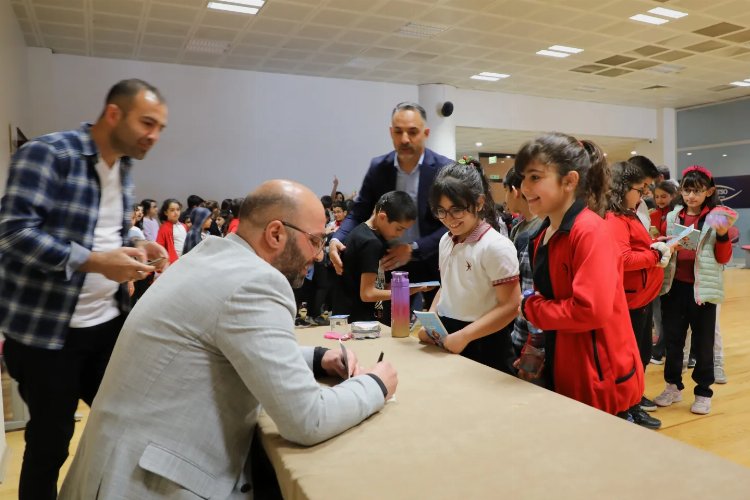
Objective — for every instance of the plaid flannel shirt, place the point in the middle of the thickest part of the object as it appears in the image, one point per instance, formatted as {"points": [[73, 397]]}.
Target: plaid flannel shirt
{"points": [[47, 220]]}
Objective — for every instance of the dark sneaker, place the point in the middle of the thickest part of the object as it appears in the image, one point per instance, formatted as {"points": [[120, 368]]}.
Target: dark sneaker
{"points": [[321, 321], [657, 360], [646, 404], [643, 419], [691, 362]]}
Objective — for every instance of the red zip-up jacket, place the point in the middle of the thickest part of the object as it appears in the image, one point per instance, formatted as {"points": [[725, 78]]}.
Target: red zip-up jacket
{"points": [[166, 239], [591, 352], [659, 217], [641, 278]]}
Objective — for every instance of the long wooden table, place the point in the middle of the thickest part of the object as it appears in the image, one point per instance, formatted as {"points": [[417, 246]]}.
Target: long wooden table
{"points": [[458, 429]]}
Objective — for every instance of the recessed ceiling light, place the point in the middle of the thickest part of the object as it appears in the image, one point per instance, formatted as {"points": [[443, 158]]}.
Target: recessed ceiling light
{"points": [[690, 154], [605, 154], [484, 78], [563, 48], [509, 156], [478, 144], [232, 8], [674, 14], [552, 53], [634, 152], [724, 155], [494, 75], [741, 84], [649, 19], [747, 79]]}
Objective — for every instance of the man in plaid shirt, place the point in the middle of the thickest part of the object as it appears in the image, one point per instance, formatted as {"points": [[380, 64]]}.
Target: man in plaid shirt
{"points": [[64, 257]]}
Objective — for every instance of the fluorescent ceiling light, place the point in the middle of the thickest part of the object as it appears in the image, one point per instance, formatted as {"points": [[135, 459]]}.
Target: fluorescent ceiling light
{"points": [[232, 8], [563, 48], [724, 155], [661, 11], [741, 84], [486, 78], [634, 152], [478, 144], [493, 75], [649, 19], [747, 79], [552, 53], [690, 154]]}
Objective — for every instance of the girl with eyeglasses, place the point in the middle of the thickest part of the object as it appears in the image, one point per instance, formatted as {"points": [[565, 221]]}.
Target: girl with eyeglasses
{"points": [[642, 262], [590, 351], [693, 287], [479, 294]]}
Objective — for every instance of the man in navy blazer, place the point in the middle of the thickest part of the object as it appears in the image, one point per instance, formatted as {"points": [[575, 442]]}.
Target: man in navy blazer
{"points": [[412, 168]]}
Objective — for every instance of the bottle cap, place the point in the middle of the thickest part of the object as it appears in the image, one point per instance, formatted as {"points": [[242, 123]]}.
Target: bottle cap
{"points": [[399, 278]]}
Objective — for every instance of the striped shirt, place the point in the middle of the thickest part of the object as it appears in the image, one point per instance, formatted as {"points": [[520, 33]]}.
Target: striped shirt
{"points": [[47, 220]]}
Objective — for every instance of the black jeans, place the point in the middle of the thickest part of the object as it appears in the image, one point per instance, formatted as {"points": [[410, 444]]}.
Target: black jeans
{"points": [[495, 350], [641, 319], [679, 310], [51, 383]]}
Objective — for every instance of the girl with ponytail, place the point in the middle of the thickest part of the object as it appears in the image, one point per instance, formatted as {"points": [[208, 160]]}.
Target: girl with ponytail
{"points": [[579, 301], [479, 295]]}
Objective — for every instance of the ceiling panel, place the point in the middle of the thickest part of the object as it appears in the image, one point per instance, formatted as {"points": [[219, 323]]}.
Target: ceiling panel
{"points": [[360, 39]]}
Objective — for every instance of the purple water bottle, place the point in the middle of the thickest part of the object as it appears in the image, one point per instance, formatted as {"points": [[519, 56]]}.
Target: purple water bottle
{"points": [[400, 304]]}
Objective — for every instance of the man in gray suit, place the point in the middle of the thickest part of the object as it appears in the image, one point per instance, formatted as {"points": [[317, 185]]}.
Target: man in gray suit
{"points": [[175, 414]]}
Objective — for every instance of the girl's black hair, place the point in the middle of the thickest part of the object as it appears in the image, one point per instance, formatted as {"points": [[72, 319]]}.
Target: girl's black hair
{"points": [[139, 223], [624, 176], [146, 205], [165, 207], [669, 188], [695, 179], [463, 184], [568, 154]]}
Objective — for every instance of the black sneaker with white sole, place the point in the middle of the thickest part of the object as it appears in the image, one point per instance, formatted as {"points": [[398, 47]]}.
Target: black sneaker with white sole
{"points": [[646, 404]]}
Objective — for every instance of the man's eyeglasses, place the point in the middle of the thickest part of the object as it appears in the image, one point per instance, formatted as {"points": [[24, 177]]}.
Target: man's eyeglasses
{"points": [[688, 192], [316, 241], [455, 212]]}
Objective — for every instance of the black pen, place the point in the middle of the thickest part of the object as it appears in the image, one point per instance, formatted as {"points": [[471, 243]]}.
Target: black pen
{"points": [[380, 358]]}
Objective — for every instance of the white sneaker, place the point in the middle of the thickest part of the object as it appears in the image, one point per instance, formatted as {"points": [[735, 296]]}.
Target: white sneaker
{"points": [[720, 376], [702, 405], [671, 394]]}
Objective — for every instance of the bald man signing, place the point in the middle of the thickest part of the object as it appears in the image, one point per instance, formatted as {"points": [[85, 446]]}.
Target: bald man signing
{"points": [[209, 344]]}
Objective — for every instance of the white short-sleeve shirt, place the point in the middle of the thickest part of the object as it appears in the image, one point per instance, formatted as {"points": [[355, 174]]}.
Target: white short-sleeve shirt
{"points": [[470, 270]]}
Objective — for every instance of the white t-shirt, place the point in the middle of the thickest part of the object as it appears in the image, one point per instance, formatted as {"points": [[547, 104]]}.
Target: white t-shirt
{"points": [[96, 302], [179, 233], [469, 272]]}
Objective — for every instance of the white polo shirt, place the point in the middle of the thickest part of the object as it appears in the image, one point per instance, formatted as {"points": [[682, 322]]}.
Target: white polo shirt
{"points": [[469, 272]]}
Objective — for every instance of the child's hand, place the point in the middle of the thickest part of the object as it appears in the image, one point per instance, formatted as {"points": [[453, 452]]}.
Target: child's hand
{"points": [[425, 337], [524, 375], [455, 342]]}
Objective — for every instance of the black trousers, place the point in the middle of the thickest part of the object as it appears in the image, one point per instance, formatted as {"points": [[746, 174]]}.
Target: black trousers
{"points": [[495, 350], [51, 383], [679, 310], [641, 319]]}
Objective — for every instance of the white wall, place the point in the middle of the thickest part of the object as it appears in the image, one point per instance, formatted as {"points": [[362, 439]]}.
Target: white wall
{"points": [[497, 110], [13, 83], [230, 130]]}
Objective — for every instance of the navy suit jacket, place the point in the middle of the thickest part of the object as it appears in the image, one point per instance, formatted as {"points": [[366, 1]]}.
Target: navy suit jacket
{"points": [[380, 179]]}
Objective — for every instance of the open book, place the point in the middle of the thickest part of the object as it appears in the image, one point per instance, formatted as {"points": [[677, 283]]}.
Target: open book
{"points": [[687, 237], [432, 325]]}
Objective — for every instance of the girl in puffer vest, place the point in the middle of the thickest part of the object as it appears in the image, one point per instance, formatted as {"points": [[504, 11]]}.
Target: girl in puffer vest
{"points": [[693, 286]]}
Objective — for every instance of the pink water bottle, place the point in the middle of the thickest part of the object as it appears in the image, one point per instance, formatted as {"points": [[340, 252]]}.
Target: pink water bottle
{"points": [[400, 304]]}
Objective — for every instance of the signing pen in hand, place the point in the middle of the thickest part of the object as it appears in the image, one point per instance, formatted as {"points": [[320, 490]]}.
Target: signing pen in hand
{"points": [[380, 358]]}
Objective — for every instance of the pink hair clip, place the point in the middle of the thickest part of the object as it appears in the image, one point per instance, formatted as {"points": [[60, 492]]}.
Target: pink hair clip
{"points": [[698, 168]]}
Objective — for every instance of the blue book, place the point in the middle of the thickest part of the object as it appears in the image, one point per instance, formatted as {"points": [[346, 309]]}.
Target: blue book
{"points": [[432, 325]]}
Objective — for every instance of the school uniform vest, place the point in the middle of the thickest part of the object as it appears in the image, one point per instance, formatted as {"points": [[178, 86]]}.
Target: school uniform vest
{"points": [[709, 275]]}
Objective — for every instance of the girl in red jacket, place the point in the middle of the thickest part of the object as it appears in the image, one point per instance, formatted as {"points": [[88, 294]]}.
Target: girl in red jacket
{"points": [[590, 351], [664, 194], [643, 263], [172, 232]]}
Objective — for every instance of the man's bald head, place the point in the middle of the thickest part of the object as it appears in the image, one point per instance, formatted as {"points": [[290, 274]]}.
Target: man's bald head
{"points": [[277, 199]]}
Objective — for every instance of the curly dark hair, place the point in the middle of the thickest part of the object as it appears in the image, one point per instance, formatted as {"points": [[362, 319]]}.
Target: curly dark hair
{"points": [[624, 176]]}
